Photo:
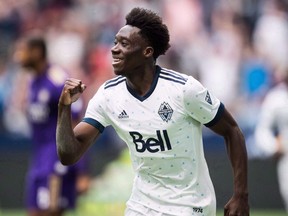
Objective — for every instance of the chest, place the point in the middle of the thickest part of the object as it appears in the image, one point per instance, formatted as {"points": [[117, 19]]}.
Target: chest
{"points": [[155, 125], [159, 111], [40, 102], [281, 115]]}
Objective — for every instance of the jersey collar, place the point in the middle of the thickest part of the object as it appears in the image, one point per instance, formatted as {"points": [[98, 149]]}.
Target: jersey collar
{"points": [[151, 90]]}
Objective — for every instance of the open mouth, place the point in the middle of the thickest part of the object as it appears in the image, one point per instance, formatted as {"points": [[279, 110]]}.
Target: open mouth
{"points": [[116, 61]]}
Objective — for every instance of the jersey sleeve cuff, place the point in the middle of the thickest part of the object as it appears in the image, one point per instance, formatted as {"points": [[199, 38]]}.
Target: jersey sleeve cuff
{"points": [[217, 116], [94, 123]]}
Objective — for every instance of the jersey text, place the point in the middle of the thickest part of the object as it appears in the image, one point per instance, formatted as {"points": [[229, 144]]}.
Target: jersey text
{"points": [[152, 145]]}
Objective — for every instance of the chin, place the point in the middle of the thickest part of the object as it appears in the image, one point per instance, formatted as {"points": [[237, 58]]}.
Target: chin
{"points": [[118, 72]]}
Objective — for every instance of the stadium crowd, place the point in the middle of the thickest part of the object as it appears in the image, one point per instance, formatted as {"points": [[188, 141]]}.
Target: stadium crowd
{"points": [[235, 48]]}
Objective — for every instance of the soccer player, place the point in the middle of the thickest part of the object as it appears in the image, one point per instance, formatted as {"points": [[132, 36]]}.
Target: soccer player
{"points": [[271, 132], [51, 187], [159, 114]]}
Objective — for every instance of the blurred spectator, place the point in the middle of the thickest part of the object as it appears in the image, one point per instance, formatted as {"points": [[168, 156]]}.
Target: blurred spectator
{"points": [[10, 25], [9, 31], [255, 79], [6, 79], [221, 57], [271, 36], [66, 42]]}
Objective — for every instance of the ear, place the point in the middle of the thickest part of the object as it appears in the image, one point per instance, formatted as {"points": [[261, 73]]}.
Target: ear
{"points": [[148, 52]]}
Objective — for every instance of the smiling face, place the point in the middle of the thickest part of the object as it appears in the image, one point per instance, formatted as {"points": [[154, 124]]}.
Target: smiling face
{"points": [[130, 51]]}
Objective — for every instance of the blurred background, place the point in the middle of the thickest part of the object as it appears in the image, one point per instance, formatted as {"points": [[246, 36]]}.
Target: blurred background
{"points": [[237, 49]]}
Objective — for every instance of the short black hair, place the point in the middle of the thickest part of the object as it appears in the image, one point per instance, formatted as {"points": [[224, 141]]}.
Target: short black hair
{"points": [[151, 28], [38, 43]]}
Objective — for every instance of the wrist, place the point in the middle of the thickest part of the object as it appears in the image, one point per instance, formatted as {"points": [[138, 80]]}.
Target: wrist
{"points": [[242, 195], [61, 104]]}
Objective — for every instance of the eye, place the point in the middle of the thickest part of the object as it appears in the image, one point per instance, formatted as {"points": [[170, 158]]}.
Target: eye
{"points": [[124, 44]]}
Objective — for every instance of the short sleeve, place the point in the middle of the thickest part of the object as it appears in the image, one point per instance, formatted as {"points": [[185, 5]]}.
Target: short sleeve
{"points": [[95, 114], [201, 104]]}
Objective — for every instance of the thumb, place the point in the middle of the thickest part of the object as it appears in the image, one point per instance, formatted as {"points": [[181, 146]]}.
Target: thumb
{"points": [[83, 87]]}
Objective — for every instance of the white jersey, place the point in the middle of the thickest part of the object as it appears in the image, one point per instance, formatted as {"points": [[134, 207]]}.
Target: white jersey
{"points": [[273, 120], [273, 123], [163, 131]]}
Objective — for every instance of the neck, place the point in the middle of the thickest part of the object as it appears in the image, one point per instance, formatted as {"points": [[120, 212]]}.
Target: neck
{"points": [[141, 80]]}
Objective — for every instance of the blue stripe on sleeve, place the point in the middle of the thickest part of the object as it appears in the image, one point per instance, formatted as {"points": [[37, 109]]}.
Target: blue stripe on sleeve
{"points": [[217, 116], [94, 123]]}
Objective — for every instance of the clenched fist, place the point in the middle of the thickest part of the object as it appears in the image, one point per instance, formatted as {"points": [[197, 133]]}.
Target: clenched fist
{"points": [[72, 90]]}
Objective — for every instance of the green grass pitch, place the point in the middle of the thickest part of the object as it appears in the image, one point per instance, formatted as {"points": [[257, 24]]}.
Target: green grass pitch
{"points": [[219, 213]]}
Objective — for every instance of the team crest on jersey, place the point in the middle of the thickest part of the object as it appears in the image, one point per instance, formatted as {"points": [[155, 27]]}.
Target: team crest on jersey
{"points": [[43, 95], [165, 111]]}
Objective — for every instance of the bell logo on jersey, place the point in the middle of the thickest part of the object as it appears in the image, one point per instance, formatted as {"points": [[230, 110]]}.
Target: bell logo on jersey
{"points": [[152, 145]]}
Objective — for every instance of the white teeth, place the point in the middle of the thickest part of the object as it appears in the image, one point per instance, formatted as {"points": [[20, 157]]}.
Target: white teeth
{"points": [[116, 60]]}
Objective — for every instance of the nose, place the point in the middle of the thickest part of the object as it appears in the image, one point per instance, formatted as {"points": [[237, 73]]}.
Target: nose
{"points": [[115, 49]]}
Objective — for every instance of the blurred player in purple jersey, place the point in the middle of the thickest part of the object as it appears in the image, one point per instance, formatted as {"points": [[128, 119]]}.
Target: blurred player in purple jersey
{"points": [[51, 188]]}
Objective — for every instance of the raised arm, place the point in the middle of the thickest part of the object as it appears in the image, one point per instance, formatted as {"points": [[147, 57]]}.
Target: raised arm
{"points": [[71, 144], [235, 143]]}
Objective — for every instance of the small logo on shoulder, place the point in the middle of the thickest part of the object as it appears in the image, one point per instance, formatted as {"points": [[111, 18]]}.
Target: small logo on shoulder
{"points": [[123, 115], [165, 111], [208, 98]]}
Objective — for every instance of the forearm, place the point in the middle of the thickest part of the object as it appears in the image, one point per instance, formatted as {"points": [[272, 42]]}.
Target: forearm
{"points": [[235, 143], [236, 149], [68, 147]]}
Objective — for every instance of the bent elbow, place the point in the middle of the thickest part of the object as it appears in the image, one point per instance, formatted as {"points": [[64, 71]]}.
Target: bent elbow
{"points": [[67, 162], [66, 159]]}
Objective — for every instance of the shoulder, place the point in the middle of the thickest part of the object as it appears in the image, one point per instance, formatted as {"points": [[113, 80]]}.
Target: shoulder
{"points": [[278, 92], [187, 84], [172, 76], [113, 83], [110, 88], [177, 77], [56, 75], [276, 97]]}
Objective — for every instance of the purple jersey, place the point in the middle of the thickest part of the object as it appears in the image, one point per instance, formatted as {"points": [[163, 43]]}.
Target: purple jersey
{"points": [[44, 95], [45, 91]]}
